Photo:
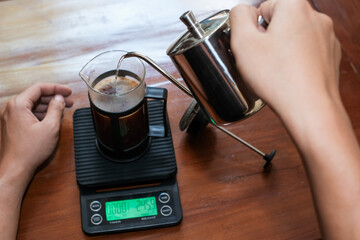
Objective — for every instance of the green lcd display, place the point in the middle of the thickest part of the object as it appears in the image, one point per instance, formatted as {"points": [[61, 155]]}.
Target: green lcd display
{"points": [[132, 208]]}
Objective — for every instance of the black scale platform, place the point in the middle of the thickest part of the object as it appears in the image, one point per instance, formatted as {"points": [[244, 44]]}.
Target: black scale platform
{"points": [[95, 172]]}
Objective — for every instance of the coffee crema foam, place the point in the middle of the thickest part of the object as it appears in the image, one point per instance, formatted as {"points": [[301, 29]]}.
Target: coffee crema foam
{"points": [[118, 86], [117, 96]]}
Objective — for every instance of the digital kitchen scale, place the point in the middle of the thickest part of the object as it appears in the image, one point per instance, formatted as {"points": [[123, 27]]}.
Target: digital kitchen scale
{"points": [[119, 197]]}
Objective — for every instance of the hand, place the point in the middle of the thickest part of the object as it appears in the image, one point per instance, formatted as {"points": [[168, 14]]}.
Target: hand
{"points": [[30, 125], [294, 61], [294, 66]]}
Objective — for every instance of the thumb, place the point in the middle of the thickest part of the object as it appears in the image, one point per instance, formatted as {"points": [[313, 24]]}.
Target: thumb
{"points": [[55, 110]]}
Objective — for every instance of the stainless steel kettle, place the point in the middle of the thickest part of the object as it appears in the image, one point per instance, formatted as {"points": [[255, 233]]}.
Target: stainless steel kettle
{"points": [[203, 57]]}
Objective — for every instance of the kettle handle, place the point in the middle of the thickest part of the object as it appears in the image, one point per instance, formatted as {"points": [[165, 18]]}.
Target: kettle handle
{"points": [[262, 22], [160, 70]]}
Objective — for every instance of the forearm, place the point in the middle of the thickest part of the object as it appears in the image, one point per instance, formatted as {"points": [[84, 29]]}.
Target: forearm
{"points": [[13, 183], [325, 138], [30, 125]]}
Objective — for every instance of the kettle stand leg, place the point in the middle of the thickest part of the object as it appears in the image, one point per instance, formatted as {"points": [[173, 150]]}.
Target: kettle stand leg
{"points": [[266, 157], [194, 119]]}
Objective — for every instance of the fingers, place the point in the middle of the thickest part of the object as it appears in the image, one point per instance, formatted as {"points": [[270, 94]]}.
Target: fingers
{"points": [[44, 100], [285, 12], [245, 29], [34, 93], [55, 111], [38, 97], [266, 10], [40, 109], [244, 17]]}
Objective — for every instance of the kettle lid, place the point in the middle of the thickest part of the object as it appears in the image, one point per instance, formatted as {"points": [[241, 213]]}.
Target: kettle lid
{"points": [[197, 32]]}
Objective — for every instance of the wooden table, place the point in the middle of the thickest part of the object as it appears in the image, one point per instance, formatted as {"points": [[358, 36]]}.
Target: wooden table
{"points": [[225, 193]]}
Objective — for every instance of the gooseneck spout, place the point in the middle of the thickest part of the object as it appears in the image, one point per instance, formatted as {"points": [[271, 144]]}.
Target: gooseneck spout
{"points": [[160, 70]]}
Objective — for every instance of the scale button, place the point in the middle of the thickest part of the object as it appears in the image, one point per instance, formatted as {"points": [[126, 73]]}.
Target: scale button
{"points": [[95, 206], [96, 219], [164, 197], [166, 210]]}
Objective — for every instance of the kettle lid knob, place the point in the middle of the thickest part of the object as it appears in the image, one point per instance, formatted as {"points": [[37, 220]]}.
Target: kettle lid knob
{"points": [[192, 24]]}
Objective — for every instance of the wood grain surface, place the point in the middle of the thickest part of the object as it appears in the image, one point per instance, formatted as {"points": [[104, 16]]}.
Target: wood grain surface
{"points": [[225, 193]]}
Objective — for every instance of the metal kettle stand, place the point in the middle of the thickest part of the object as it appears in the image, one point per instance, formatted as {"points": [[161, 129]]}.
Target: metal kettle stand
{"points": [[194, 120]]}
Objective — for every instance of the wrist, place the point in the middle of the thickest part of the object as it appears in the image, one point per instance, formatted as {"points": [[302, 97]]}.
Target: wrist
{"points": [[310, 109], [13, 179], [319, 126]]}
